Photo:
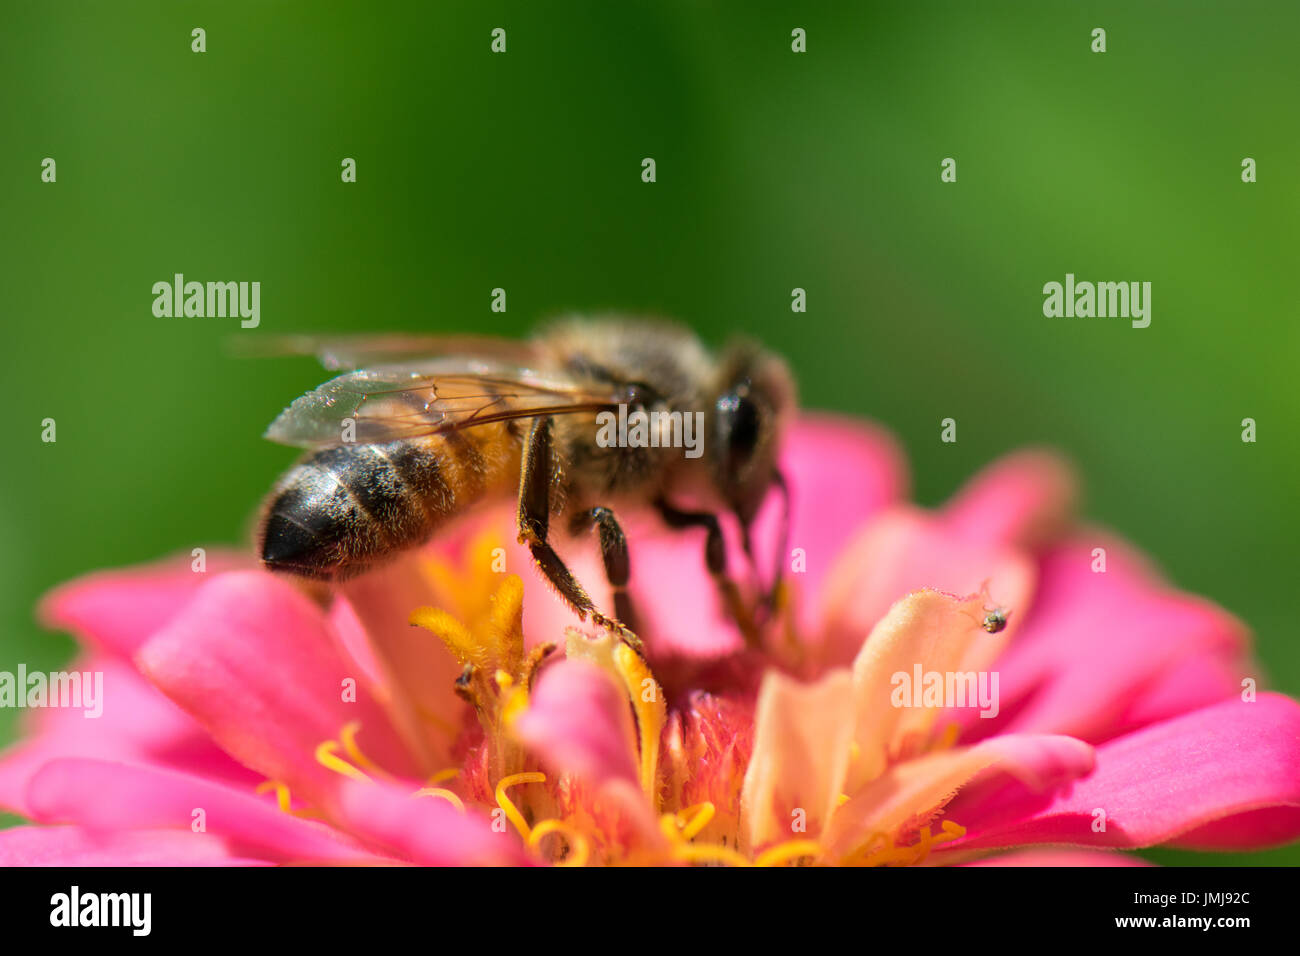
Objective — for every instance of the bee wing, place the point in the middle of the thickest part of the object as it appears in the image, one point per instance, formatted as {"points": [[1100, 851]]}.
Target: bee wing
{"points": [[361, 351], [429, 398]]}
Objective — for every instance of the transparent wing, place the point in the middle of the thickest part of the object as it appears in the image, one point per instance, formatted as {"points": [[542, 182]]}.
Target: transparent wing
{"points": [[361, 351], [428, 398]]}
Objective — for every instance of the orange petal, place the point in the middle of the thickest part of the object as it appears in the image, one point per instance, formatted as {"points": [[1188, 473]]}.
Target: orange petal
{"points": [[914, 791], [927, 630], [801, 752]]}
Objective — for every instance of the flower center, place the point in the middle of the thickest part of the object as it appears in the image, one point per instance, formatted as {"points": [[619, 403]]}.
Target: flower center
{"points": [[555, 821]]}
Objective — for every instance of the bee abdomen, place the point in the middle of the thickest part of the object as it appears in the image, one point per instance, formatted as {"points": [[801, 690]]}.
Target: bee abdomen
{"points": [[344, 509]]}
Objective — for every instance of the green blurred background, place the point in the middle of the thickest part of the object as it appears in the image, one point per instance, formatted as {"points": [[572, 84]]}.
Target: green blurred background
{"points": [[775, 170]]}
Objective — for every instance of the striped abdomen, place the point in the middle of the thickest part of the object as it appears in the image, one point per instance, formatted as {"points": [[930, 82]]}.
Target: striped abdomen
{"points": [[345, 509]]}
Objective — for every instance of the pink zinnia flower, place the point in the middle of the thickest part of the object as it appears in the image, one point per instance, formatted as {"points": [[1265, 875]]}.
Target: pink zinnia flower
{"points": [[245, 721]]}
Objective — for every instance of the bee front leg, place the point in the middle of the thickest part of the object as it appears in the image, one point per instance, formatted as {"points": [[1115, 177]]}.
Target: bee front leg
{"points": [[533, 520], [715, 559], [613, 553]]}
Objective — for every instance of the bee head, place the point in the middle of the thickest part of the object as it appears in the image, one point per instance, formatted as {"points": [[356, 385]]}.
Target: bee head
{"points": [[753, 399]]}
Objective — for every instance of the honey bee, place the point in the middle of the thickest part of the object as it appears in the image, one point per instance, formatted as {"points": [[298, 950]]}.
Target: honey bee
{"points": [[423, 428]]}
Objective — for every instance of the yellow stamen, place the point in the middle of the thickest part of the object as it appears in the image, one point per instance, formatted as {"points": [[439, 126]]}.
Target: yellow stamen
{"points": [[651, 713], [442, 775], [922, 846], [487, 603], [514, 702], [949, 737], [683, 826], [694, 819], [284, 800], [348, 737], [492, 638], [615, 657], [489, 646], [505, 626], [442, 794], [842, 799], [512, 812], [708, 853], [325, 756], [281, 792], [787, 851], [579, 849], [443, 725], [906, 855], [670, 828], [451, 632], [888, 855], [865, 850]]}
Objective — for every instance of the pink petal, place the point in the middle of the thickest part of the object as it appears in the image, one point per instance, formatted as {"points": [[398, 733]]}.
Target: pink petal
{"points": [[418, 670], [1026, 498], [1187, 685], [138, 725], [842, 473], [1212, 772], [426, 830], [118, 610], [577, 721], [1061, 857], [354, 642], [1265, 827], [1096, 643], [980, 540], [253, 661], [693, 624], [106, 796], [907, 550], [77, 846]]}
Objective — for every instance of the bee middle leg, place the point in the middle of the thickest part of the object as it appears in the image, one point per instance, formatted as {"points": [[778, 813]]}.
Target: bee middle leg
{"points": [[533, 520], [715, 559]]}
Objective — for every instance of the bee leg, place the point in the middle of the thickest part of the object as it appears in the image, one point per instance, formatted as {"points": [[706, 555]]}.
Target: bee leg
{"points": [[715, 559], [613, 553], [533, 520]]}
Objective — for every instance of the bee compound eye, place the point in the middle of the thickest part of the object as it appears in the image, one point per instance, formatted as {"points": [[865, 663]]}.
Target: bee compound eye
{"points": [[739, 417]]}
